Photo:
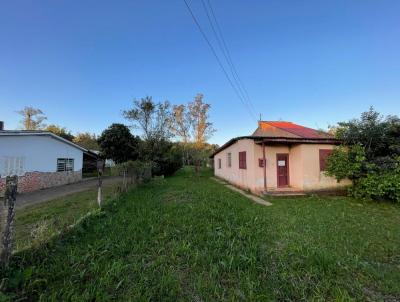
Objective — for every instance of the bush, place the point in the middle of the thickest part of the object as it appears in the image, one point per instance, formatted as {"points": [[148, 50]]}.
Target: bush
{"points": [[378, 186], [136, 171]]}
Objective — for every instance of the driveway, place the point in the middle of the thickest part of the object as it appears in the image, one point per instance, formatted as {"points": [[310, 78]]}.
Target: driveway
{"points": [[60, 191]]}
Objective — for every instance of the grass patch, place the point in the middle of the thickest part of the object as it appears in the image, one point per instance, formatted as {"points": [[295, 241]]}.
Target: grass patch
{"points": [[188, 238], [35, 223]]}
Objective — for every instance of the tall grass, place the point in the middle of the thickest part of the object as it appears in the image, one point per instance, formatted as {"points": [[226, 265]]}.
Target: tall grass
{"points": [[188, 238]]}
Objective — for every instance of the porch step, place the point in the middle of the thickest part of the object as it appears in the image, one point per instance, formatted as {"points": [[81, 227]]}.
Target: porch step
{"points": [[285, 192]]}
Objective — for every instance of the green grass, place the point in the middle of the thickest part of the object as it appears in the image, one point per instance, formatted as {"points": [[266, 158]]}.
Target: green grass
{"points": [[188, 238], [35, 223]]}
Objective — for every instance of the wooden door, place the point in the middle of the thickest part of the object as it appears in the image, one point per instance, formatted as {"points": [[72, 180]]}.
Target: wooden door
{"points": [[282, 167]]}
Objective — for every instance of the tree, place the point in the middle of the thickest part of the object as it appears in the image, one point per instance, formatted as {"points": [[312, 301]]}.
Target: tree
{"points": [[60, 131], [191, 124], [379, 136], [32, 118], [180, 126], [87, 141], [370, 155], [117, 143], [152, 118], [202, 128]]}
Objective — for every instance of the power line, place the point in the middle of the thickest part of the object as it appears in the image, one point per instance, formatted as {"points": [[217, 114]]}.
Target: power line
{"points": [[231, 64], [225, 51], [218, 59]]}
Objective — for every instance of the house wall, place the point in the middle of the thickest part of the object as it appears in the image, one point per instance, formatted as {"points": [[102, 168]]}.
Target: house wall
{"points": [[244, 178], [304, 170], [35, 161], [313, 178]]}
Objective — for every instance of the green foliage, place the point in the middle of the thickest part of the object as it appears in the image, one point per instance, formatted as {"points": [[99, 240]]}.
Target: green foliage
{"points": [[346, 162], [87, 140], [370, 157], [117, 143], [379, 185], [379, 136], [189, 238], [164, 155], [137, 171], [60, 131]]}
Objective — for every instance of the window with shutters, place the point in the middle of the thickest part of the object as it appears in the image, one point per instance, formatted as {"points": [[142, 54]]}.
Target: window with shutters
{"points": [[261, 162], [229, 160], [242, 160], [323, 155], [219, 163], [65, 164]]}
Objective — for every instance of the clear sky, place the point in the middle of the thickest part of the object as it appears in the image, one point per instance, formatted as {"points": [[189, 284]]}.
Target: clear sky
{"points": [[310, 62]]}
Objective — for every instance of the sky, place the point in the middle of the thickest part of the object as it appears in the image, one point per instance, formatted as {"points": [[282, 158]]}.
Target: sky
{"points": [[310, 62]]}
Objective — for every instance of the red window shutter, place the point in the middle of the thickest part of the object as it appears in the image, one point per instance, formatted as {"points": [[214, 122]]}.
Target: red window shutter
{"points": [[242, 160], [323, 155]]}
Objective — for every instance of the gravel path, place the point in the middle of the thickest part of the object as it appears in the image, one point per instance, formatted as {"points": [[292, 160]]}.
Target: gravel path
{"points": [[60, 191]]}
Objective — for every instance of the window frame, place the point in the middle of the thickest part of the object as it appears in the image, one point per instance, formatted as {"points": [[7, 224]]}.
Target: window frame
{"points": [[242, 160], [219, 163], [65, 164], [229, 159], [261, 162]]}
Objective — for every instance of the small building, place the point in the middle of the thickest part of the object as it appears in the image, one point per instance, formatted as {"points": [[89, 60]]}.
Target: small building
{"points": [[278, 157], [41, 159]]}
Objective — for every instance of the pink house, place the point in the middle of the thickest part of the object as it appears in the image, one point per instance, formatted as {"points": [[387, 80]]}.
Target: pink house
{"points": [[278, 157]]}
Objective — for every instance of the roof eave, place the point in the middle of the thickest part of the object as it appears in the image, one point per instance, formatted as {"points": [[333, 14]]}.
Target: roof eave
{"points": [[266, 139]]}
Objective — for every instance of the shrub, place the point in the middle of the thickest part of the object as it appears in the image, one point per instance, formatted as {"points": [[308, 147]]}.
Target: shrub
{"points": [[384, 185]]}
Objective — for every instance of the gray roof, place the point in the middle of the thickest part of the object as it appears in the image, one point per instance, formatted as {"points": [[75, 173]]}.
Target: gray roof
{"points": [[40, 133]]}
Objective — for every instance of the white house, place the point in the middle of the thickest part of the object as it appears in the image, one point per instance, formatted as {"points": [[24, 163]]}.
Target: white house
{"points": [[41, 159]]}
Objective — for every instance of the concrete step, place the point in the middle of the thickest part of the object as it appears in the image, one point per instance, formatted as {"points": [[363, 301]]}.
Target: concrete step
{"points": [[284, 193]]}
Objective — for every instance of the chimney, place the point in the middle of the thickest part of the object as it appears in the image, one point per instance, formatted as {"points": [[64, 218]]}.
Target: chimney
{"points": [[1, 125]]}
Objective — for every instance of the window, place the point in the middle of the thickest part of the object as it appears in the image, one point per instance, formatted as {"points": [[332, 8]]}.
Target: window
{"points": [[323, 155], [219, 163], [242, 160], [229, 160], [65, 164], [261, 162], [12, 165]]}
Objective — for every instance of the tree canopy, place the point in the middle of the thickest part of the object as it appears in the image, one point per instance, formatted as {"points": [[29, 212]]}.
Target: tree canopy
{"points": [[117, 143]]}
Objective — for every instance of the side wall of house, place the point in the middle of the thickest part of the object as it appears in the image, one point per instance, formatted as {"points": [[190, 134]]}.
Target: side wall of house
{"points": [[244, 178], [313, 178], [34, 160]]}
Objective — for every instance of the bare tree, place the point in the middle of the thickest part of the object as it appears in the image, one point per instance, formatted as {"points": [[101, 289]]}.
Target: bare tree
{"points": [[191, 123], [32, 118], [180, 126], [152, 118], [202, 128], [142, 113]]}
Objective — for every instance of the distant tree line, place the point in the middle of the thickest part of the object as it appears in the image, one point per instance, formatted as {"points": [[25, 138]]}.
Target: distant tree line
{"points": [[33, 119], [171, 136]]}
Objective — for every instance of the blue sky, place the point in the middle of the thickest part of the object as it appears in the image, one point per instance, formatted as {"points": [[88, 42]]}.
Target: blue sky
{"points": [[310, 62]]}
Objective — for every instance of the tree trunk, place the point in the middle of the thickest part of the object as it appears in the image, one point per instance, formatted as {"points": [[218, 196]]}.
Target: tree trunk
{"points": [[7, 216]]}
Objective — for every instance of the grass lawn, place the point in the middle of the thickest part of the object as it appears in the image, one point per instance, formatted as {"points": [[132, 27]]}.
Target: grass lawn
{"points": [[188, 238], [35, 223]]}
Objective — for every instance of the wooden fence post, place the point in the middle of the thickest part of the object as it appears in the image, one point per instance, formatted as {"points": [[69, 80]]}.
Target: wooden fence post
{"points": [[7, 214], [100, 168]]}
